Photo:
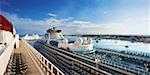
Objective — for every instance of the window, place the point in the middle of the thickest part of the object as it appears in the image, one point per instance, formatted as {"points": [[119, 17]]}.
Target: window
{"points": [[42, 59], [49, 65], [45, 62], [54, 71]]}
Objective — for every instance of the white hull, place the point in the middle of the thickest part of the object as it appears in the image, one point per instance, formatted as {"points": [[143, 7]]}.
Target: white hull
{"points": [[5, 37]]}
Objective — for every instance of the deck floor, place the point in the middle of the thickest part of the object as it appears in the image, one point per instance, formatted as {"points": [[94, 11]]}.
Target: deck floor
{"points": [[32, 68]]}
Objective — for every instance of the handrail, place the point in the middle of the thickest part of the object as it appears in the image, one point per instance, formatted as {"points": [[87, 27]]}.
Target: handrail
{"points": [[33, 51]]}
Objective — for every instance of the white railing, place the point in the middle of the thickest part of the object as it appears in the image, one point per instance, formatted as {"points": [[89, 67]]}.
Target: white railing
{"points": [[43, 62]]}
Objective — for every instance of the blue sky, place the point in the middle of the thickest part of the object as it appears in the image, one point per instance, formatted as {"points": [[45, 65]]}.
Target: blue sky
{"points": [[74, 16]]}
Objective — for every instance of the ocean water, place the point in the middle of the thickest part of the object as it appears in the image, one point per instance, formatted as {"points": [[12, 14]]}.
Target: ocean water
{"points": [[120, 45]]}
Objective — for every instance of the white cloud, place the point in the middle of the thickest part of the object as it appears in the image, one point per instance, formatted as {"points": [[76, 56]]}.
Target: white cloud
{"points": [[80, 22], [69, 26], [52, 15], [27, 25]]}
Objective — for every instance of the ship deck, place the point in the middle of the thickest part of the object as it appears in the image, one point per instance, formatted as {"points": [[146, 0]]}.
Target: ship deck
{"points": [[33, 68]]}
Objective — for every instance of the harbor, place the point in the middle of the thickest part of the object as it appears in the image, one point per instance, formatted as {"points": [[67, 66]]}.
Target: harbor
{"points": [[125, 61], [74, 37], [108, 59], [34, 66]]}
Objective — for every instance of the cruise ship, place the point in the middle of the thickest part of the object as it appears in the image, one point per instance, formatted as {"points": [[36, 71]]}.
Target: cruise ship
{"points": [[8, 41], [83, 60], [31, 37]]}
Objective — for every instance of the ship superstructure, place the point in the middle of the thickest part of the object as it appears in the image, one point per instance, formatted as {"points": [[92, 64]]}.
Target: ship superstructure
{"points": [[55, 37]]}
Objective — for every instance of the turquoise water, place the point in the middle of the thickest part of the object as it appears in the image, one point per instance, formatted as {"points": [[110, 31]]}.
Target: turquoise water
{"points": [[118, 45]]}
